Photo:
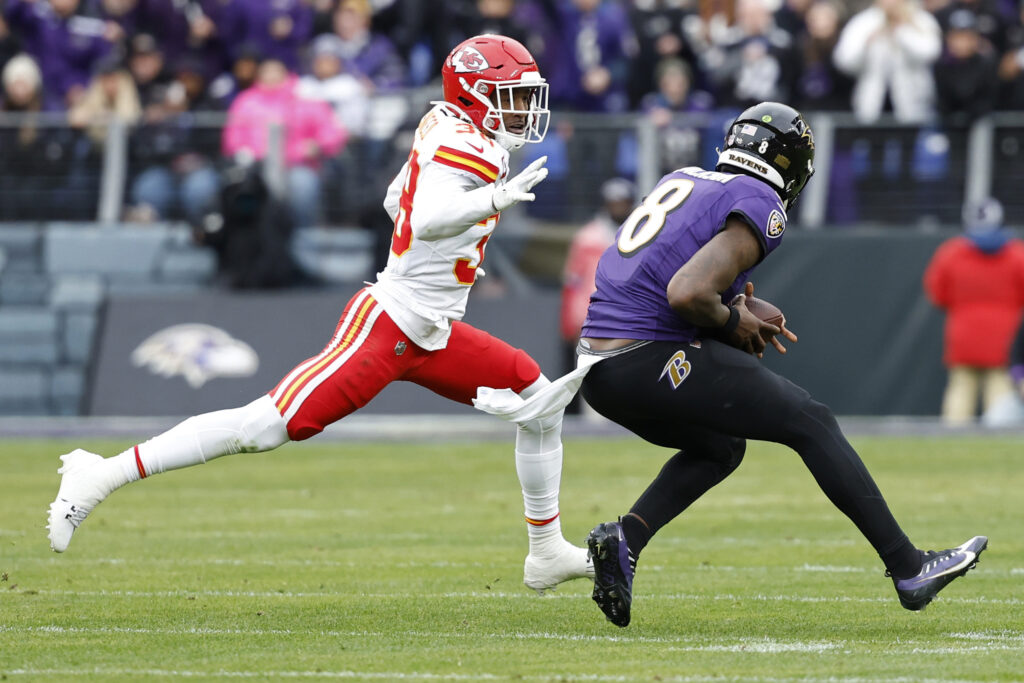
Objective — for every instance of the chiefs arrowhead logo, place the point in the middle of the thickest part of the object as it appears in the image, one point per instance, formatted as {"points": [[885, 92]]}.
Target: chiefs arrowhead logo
{"points": [[468, 60]]}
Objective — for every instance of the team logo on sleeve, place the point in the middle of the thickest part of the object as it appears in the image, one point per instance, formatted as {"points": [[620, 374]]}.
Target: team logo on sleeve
{"points": [[677, 368], [469, 60], [776, 224]]}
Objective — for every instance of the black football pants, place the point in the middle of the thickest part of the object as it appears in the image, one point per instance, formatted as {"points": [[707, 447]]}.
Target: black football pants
{"points": [[705, 399]]}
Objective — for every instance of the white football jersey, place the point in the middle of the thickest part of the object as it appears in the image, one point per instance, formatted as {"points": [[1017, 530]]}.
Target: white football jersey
{"points": [[441, 206]]}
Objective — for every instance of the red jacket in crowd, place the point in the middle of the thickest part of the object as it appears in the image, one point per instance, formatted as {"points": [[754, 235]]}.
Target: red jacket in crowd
{"points": [[983, 296]]}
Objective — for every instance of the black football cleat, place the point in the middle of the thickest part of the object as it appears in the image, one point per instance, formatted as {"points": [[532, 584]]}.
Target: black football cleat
{"points": [[613, 574], [939, 569]]}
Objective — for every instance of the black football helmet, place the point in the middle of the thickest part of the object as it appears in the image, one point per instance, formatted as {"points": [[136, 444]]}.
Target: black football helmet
{"points": [[771, 142]]}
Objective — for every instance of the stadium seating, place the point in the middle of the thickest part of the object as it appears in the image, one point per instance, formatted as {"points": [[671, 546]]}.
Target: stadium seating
{"points": [[53, 280], [55, 277]]}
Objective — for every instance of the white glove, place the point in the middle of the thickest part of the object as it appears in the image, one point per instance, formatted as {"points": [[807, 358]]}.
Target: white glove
{"points": [[518, 188]]}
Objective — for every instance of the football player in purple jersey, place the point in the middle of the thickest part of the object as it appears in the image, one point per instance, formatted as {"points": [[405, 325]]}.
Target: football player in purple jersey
{"points": [[681, 350]]}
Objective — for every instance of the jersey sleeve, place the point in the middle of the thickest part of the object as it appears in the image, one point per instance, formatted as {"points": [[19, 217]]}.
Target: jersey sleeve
{"points": [[756, 204], [458, 171], [474, 166], [460, 149]]}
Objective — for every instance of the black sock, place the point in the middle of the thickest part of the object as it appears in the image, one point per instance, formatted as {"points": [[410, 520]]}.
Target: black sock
{"points": [[904, 562], [637, 535]]}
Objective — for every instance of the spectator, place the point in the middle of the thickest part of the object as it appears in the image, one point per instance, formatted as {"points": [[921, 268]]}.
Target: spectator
{"points": [[348, 98], [311, 134], [66, 47], [323, 11], [208, 37], [821, 86], [1011, 67], [711, 23], [242, 75], [370, 55], [658, 27], [10, 44], [408, 24], [755, 62], [889, 49], [149, 70], [588, 66], [23, 83], [110, 95], [34, 159], [190, 72], [993, 20], [680, 141], [675, 93], [250, 230], [278, 28], [492, 16], [328, 81], [109, 98], [179, 26], [978, 280], [174, 175], [791, 17], [966, 76]]}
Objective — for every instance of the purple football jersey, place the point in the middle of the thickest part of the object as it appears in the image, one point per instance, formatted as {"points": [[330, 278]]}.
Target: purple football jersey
{"points": [[681, 214]]}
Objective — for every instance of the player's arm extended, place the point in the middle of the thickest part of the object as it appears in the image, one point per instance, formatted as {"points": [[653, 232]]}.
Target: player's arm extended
{"points": [[447, 203], [695, 291]]}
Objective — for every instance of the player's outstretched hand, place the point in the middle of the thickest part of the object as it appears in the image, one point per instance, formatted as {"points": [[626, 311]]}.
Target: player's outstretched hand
{"points": [[517, 189]]}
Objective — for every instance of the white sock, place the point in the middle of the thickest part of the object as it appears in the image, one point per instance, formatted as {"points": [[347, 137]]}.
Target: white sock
{"points": [[252, 428], [539, 466], [540, 476]]}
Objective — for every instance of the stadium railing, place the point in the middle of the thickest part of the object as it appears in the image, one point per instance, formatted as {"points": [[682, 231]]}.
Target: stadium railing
{"points": [[884, 173]]}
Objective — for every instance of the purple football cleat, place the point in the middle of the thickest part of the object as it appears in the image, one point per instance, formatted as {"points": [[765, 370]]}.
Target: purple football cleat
{"points": [[938, 570], [613, 573]]}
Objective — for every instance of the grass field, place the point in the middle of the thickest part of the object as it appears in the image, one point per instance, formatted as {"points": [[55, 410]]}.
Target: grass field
{"points": [[404, 562]]}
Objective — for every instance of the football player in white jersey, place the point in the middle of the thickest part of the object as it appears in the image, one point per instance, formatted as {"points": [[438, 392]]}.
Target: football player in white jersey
{"points": [[445, 203]]}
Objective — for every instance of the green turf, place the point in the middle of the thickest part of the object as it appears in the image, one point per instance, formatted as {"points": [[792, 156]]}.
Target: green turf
{"points": [[395, 561]]}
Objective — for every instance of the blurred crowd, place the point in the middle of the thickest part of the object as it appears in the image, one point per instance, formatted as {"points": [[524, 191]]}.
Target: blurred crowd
{"points": [[324, 69]]}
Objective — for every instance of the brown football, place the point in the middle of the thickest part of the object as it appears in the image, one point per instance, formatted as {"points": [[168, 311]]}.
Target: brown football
{"points": [[765, 310]]}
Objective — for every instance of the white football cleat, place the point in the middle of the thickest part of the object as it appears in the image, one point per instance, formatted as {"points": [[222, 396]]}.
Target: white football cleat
{"points": [[543, 572], [79, 493]]}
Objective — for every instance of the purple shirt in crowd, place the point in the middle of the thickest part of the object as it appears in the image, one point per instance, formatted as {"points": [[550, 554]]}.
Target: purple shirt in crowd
{"points": [[248, 22], [583, 41], [65, 49], [684, 211]]}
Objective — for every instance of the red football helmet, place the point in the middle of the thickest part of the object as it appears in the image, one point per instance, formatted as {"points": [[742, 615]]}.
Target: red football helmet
{"points": [[484, 76]]}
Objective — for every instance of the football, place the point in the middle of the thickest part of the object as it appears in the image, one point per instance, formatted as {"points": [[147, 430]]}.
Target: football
{"points": [[765, 310]]}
